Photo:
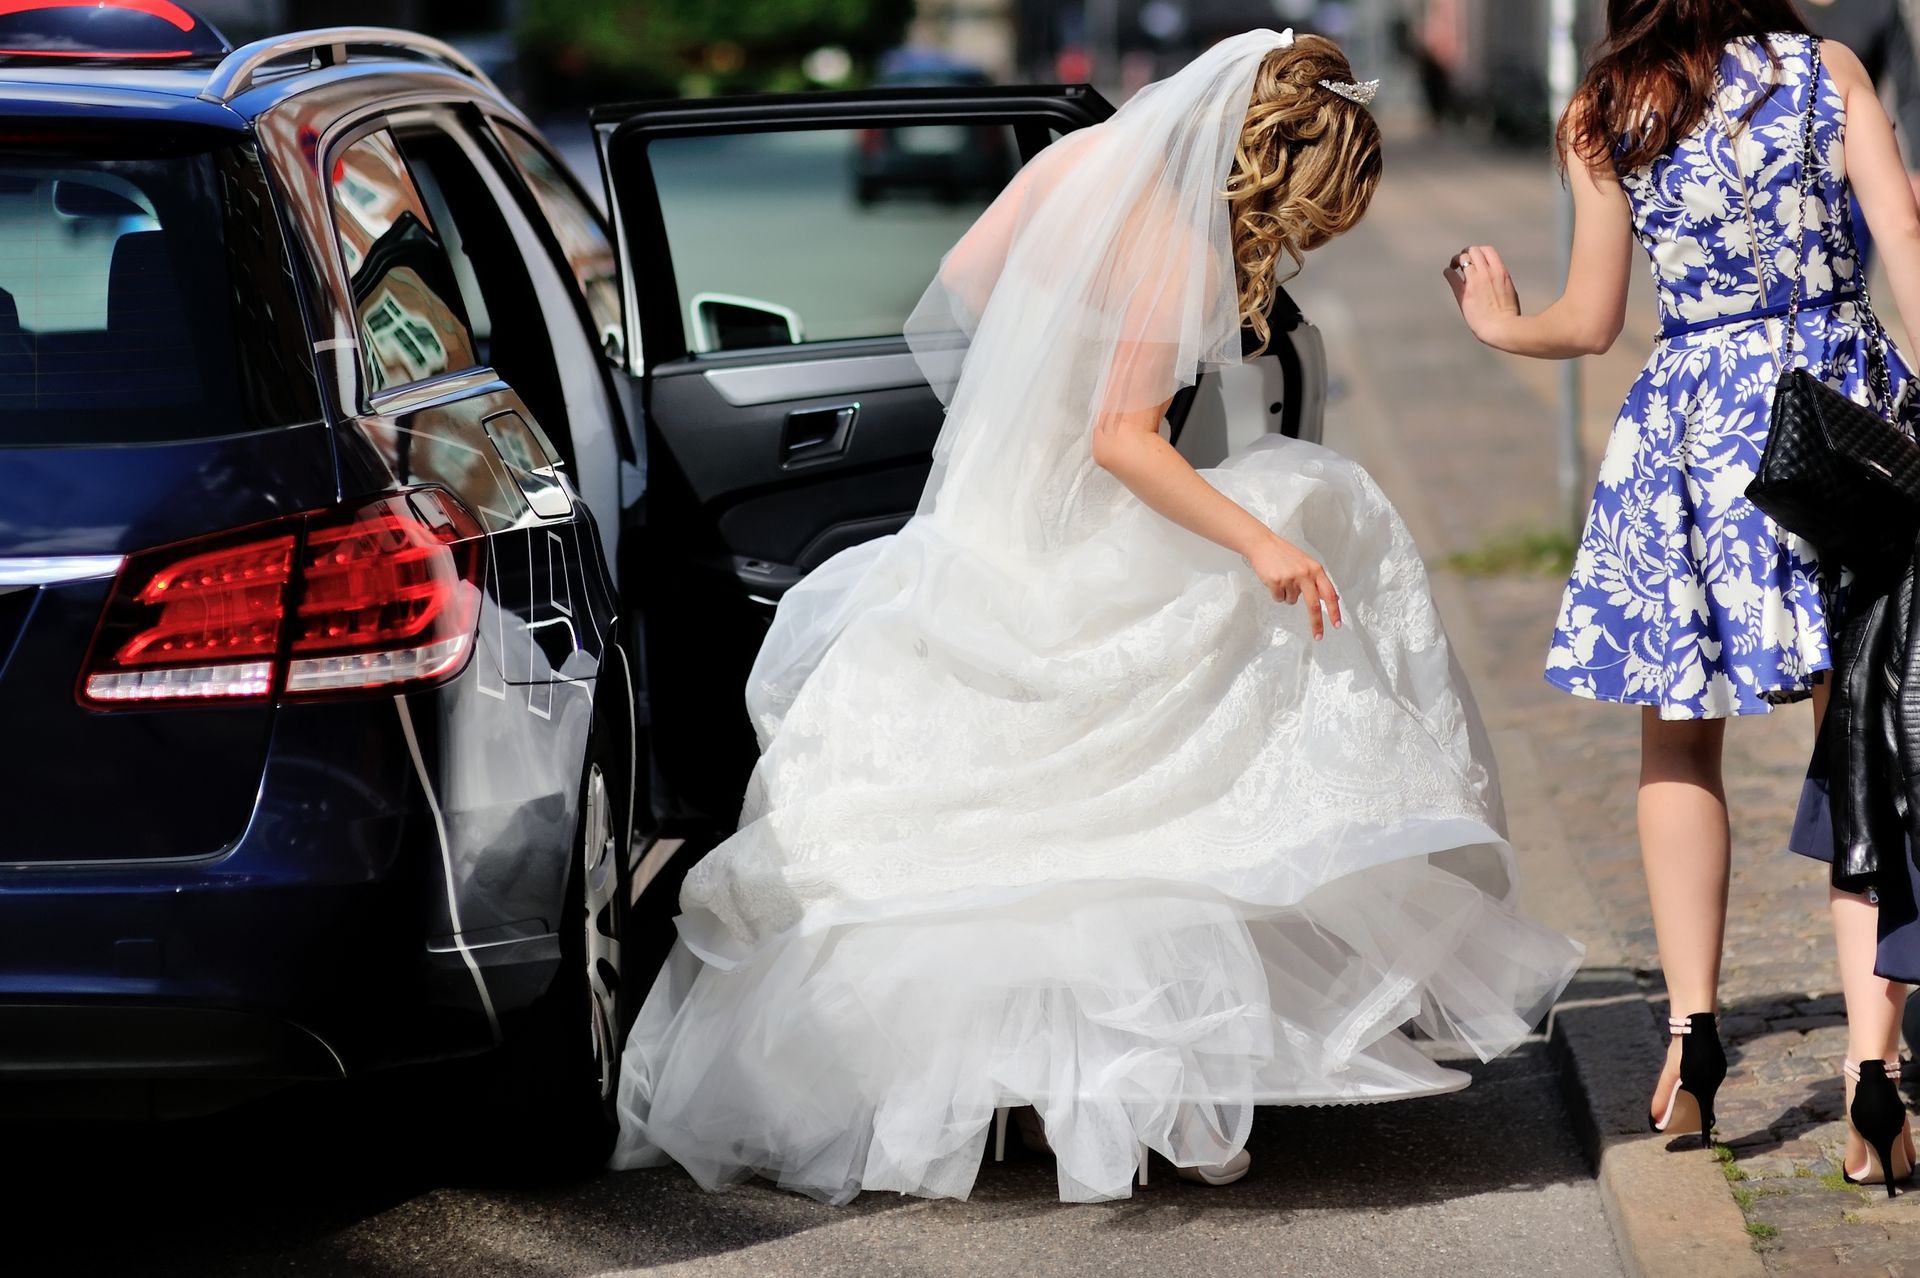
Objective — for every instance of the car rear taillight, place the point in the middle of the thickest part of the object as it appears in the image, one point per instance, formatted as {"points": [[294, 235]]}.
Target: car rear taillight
{"points": [[382, 595]]}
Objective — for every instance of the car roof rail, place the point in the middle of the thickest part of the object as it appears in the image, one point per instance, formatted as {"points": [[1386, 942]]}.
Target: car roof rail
{"points": [[242, 68]]}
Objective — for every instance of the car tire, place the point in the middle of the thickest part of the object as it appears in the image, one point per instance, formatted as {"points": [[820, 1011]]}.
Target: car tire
{"points": [[558, 1071]]}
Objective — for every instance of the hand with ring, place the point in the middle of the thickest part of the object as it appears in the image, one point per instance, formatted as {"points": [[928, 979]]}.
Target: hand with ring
{"points": [[1484, 290]]}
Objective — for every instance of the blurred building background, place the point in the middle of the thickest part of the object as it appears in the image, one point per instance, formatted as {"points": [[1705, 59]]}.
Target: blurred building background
{"points": [[1474, 64], [560, 53]]}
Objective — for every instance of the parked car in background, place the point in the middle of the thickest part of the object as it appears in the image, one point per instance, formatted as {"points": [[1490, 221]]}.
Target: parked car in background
{"points": [[949, 162], [385, 539]]}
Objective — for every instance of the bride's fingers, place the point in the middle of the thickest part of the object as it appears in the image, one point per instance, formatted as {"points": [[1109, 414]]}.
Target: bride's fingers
{"points": [[1315, 617], [1330, 597]]}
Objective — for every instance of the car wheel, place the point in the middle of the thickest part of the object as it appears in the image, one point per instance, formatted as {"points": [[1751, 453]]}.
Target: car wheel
{"points": [[601, 925], [560, 1066]]}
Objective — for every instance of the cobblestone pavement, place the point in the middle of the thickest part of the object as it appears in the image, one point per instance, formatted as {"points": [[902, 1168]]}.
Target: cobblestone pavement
{"points": [[1477, 430]]}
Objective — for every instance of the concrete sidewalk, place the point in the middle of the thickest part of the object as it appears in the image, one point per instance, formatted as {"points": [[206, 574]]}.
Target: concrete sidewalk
{"points": [[1462, 439]]}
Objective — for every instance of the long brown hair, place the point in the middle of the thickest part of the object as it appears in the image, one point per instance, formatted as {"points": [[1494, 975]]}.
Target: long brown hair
{"points": [[1653, 77], [1305, 170]]}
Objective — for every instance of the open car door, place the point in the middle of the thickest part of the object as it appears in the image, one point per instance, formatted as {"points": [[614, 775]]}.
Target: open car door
{"points": [[772, 249]]}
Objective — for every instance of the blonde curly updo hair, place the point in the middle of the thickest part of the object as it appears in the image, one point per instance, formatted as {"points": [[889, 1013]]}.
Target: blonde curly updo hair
{"points": [[1307, 165]]}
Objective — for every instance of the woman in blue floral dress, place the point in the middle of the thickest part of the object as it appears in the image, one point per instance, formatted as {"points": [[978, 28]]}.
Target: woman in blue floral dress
{"points": [[1684, 599]]}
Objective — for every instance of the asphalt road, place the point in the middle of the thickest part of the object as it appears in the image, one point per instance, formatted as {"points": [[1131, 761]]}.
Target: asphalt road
{"points": [[363, 1180]]}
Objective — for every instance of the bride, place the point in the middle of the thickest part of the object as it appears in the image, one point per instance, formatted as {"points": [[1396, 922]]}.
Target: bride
{"points": [[1134, 794]]}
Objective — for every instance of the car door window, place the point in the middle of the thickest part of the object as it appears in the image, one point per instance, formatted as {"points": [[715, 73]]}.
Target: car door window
{"points": [[818, 235], [515, 333], [583, 241], [407, 301]]}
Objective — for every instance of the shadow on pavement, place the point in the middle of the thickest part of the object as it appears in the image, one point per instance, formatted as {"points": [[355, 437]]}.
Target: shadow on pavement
{"points": [[363, 1180]]}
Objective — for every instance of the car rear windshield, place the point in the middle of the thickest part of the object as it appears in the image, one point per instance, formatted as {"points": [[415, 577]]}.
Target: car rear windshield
{"points": [[145, 294]]}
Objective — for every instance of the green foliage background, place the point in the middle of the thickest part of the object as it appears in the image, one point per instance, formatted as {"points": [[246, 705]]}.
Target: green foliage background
{"points": [[586, 47]]}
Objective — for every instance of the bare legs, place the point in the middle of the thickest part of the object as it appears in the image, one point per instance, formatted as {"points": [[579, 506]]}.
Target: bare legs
{"points": [[1874, 1004], [1686, 851]]}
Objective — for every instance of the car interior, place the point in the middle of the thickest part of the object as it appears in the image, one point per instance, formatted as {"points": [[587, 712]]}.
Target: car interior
{"points": [[117, 331]]}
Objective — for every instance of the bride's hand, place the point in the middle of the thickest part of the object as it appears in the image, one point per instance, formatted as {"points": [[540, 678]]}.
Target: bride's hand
{"points": [[1483, 289], [1296, 577]]}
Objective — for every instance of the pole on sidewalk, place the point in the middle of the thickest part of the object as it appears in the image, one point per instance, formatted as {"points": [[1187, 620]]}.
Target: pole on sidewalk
{"points": [[1563, 71]]}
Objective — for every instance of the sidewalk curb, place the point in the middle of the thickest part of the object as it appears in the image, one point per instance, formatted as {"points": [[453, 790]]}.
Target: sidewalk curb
{"points": [[1671, 1212]]}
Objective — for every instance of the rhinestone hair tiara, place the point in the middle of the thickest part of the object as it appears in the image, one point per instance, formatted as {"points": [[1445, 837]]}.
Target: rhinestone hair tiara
{"points": [[1363, 94]]}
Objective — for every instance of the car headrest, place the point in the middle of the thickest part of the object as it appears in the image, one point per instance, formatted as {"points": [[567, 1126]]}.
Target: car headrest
{"points": [[141, 291], [9, 315]]}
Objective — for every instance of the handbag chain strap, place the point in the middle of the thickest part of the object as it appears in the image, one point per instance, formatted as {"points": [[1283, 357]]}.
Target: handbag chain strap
{"points": [[1877, 373]]}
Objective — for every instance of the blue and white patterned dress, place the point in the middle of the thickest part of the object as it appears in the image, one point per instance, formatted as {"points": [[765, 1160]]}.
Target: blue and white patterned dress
{"points": [[1683, 595]]}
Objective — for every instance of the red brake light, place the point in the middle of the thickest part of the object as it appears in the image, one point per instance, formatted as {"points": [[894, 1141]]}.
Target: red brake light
{"points": [[390, 595], [377, 596], [196, 622]]}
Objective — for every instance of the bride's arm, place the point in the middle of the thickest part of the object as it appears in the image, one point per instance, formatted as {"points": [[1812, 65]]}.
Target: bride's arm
{"points": [[1589, 314], [1128, 444]]}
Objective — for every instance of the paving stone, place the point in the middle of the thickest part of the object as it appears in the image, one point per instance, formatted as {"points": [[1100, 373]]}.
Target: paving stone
{"points": [[1800, 1260], [1777, 1163], [1903, 1211], [1788, 1024], [1809, 1211], [1878, 1255]]}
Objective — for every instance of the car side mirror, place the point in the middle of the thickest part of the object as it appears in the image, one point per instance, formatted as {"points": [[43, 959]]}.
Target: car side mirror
{"points": [[725, 322]]}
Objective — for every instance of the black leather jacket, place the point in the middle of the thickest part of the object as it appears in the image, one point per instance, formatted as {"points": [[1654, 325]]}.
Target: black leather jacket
{"points": [[1871, 734]]}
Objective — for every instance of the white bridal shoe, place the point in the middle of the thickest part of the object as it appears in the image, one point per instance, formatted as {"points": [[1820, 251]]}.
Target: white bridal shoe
{"points": [[1033, 1134]]}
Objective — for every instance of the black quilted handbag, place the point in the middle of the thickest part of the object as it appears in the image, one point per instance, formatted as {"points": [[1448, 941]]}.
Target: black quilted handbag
{"points": [[1837, 473]]}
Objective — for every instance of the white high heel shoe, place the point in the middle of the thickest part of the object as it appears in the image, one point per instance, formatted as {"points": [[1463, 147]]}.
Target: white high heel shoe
{"points": [[1223, 1174]]}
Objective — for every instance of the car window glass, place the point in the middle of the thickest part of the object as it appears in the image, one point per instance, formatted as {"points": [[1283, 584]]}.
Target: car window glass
{"points": [[119, 321], [818, 235], [514, 334], [406, 297], [590, 255]]}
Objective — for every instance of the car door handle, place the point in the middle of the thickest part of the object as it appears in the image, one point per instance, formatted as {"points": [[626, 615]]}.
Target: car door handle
{"points": [[816, 434], [535, 472]]}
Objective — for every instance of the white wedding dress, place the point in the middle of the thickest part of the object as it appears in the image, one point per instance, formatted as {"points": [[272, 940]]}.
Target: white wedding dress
{"points": [[1058, 807]]}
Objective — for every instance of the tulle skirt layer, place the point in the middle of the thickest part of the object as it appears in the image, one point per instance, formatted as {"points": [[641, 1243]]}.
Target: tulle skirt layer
{"points": [[1103, 832], [872, 1056]]}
